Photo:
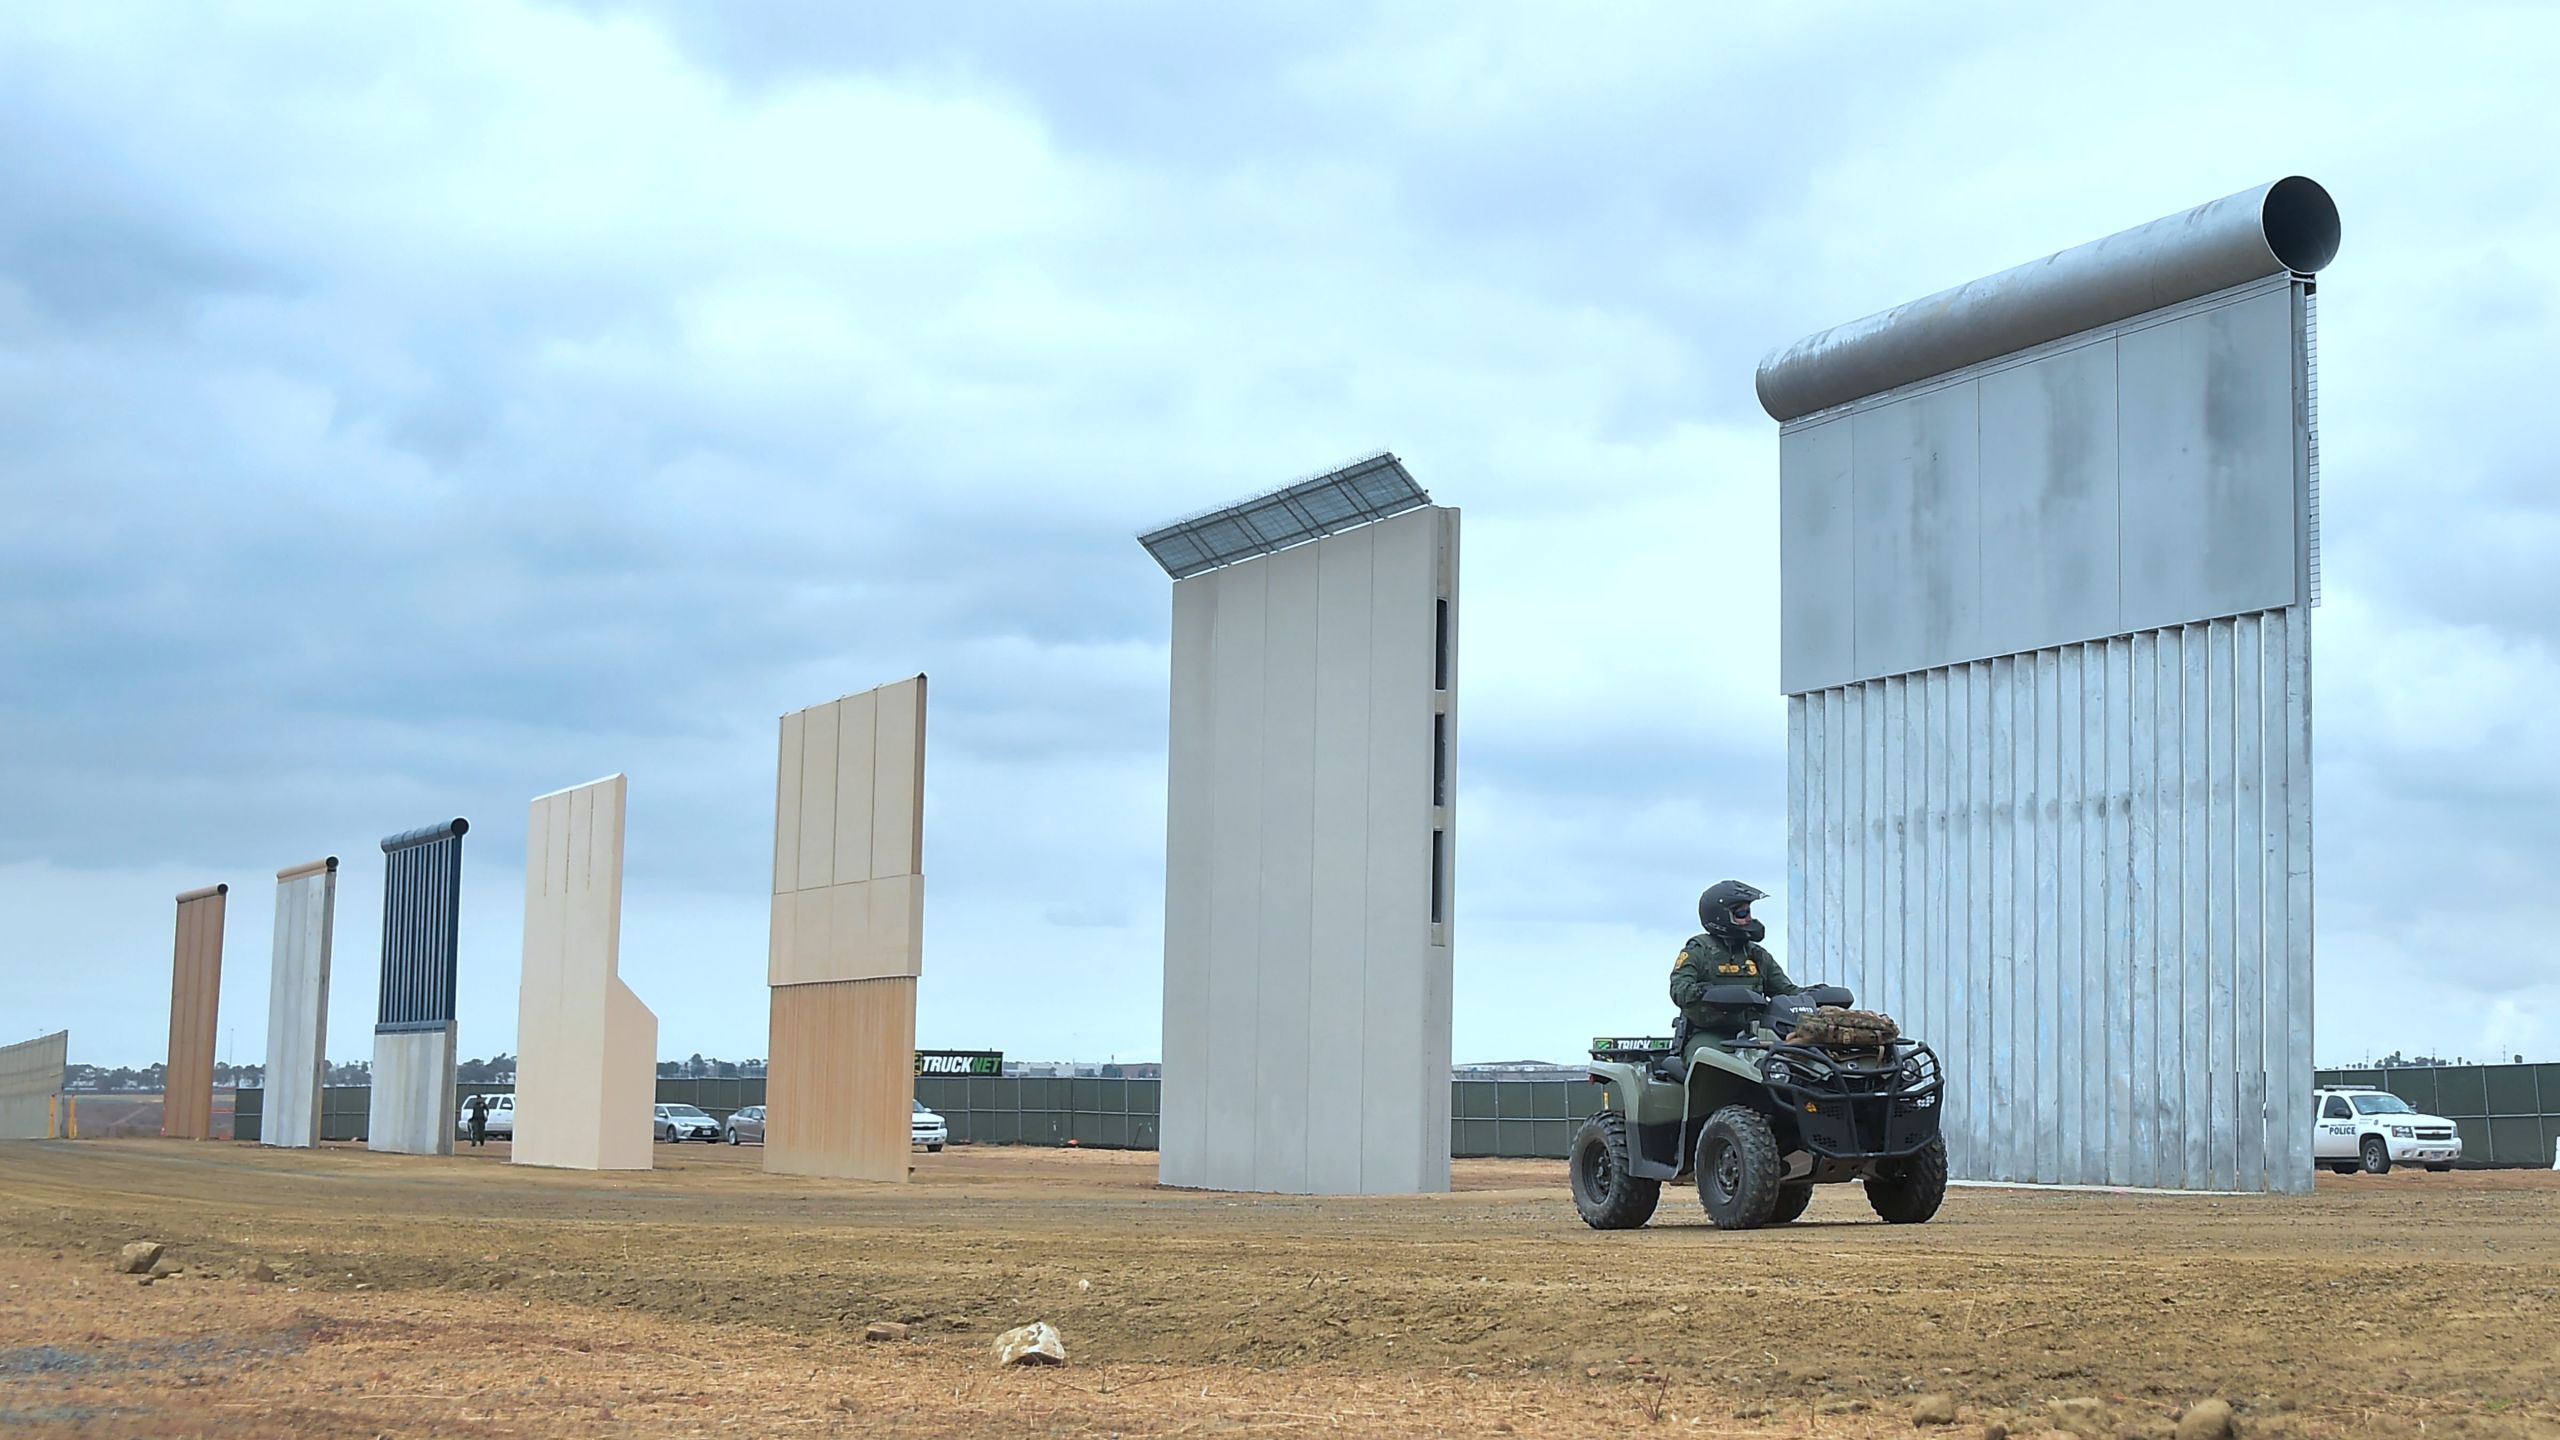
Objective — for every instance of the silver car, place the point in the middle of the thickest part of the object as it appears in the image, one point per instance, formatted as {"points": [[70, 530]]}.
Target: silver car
{"points": [[746, 1125], [678, 1123]]}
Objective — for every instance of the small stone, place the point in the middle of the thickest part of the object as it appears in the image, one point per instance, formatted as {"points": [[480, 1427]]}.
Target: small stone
{"points": [[1037, 1343], [148, 1279], [138, 1257], [879, 1330], [164, 1269], [258, 1271], [1995, 1431], [1934, 1410], [2208, 1420]]}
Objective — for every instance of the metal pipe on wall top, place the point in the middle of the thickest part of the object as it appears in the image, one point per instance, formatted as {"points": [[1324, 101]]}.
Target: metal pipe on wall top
{"points": [[2284, 225]]}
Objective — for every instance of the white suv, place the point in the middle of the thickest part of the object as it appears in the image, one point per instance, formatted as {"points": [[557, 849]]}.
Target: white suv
{"points": [[927, 1129], [2357, 1127]]}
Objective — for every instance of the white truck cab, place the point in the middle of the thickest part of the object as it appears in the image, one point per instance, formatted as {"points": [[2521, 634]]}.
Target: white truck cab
{"points": [[2357, 1127]]}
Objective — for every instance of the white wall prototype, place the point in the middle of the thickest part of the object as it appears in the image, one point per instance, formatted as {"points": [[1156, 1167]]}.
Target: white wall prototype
{"points": [[586, 1048], [1310, 851], [298, 1004], [410, 1109]]}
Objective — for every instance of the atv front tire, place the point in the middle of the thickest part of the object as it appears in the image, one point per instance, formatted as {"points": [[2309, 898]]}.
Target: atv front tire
{"points": [[1792, 1199], [1604, 1194], [1739, 1169], [1913, 1188]]}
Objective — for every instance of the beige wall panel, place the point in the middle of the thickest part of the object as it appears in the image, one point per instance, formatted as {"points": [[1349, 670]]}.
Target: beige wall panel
{"points": [[586, 1063], [897, 782], [840, 1080], [782, 950], [818, 796], [857, 732], [786, 809], [195, 997], [31, 1075], [894, 941], [848, 934]]}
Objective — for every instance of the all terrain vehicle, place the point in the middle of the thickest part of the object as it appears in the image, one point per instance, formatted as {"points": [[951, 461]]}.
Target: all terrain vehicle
{"points": [[1762, 1123]]}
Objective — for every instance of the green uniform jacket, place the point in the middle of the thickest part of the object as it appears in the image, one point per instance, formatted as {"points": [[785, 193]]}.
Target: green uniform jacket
{"points": [[1706, 961]]}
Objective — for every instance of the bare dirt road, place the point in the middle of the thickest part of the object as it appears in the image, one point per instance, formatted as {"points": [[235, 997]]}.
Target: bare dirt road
{"points": [[467, 1297]]}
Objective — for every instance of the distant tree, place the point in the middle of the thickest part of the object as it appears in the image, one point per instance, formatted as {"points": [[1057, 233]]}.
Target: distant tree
{"points": [[693, 1067], [670, 1069]]}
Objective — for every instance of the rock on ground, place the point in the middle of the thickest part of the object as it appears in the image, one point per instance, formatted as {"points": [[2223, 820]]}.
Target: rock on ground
{"points": [[2208, 1420], [259, 1271], [1934, 1410], [1034, 1344], [884, 1330], [138, 1257]]}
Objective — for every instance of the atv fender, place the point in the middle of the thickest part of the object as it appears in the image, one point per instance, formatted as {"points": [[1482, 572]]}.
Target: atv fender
{"points": [[1665, 1116]]}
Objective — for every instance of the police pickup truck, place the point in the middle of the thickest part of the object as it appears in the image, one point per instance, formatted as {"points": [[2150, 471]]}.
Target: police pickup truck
{"points": [[2357, 1127]]}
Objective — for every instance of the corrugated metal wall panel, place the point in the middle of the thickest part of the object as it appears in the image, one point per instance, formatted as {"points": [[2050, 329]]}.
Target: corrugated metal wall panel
{"points": [[2084, 874], [421, 902]]}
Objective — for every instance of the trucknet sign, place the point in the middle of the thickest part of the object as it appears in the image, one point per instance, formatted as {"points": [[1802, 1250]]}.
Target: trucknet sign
{"points": [[960, 1062]]}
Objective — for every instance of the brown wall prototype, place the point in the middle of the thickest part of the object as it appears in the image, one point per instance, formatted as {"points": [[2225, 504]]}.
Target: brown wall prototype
{"points": [[848, 934], [832, 1047], [195, 997]]}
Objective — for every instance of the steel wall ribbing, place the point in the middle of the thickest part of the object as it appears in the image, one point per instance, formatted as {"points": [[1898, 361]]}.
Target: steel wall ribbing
{"points": [[2084, 874]]}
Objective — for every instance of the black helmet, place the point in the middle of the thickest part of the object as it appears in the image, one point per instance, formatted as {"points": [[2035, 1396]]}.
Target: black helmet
{"points": [[1725, 912]]}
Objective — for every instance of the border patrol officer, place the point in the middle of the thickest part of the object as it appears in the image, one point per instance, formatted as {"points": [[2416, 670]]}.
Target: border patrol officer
{"points": [[1728, 953]]}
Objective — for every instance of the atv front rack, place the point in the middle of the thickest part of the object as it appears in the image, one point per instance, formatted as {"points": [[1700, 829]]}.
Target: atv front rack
{"points": [[1870, 1103]]}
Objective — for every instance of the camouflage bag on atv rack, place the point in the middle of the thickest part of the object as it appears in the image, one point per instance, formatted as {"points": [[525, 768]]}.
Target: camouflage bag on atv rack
{"points": [[1840, 1029]]}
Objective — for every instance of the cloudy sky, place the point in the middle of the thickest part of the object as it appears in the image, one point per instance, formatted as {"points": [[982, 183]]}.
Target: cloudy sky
{"points": [[405, 411]]}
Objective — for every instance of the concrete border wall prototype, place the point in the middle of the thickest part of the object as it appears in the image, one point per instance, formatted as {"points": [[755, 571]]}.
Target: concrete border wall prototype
{"points": [[847, 937], [32, 1073], [195, 1005], [1310, 855], [2049, 546], [586, 1061], [298, 1003], [413, 1032]]}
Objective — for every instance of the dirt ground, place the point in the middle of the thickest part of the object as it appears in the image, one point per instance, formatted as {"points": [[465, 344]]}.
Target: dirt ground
{"points": [[465, 1297]]}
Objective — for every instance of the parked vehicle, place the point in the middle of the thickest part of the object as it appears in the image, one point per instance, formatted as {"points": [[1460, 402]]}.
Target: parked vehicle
{"points": [[2357, 1127], [745, 1125], [927, 1129], [502, 1118], [676, 1124]]}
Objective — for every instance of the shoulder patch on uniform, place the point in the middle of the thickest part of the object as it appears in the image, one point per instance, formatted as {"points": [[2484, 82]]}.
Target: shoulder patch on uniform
{"points": [[1679, 960]]}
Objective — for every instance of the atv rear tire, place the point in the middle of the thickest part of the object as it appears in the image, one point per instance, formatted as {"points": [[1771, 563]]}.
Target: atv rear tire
{"points": [[1913, 1188], [1604, 1194], [1791, 1202], [1739, 1169]]}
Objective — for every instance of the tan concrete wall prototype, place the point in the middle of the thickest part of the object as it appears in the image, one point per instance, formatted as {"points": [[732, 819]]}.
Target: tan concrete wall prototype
{"points": [[298, 1003], [195, 998], [586, 1061], [31, 1075], [847, 934], [1310, 858]]}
